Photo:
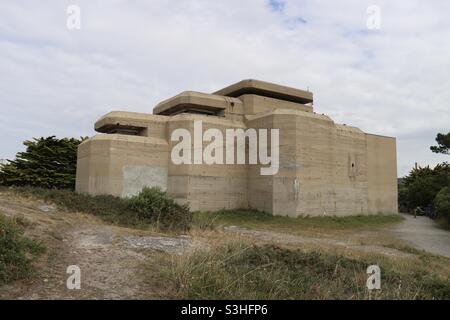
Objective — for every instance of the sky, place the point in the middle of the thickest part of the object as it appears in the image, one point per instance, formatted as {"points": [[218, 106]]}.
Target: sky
{"points": [[389, 78]]}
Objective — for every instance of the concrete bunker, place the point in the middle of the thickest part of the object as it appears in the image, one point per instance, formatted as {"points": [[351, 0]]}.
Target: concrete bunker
{"points": [[325, 168]]}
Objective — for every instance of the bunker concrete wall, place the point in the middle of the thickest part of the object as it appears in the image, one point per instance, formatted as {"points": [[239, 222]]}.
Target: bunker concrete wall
{"points": [[121, 165], [207, 186], [322, 167], [254, 104], [382, 174], [260, 188]]}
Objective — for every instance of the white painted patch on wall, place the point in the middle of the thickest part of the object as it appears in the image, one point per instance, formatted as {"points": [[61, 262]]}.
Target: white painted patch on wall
{"points": [[137, 177], [296, 188]]}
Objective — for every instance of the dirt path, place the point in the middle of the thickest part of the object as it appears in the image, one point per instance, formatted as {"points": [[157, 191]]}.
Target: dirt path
{"points": [[423, 233], [110, 258], [420, 233]]}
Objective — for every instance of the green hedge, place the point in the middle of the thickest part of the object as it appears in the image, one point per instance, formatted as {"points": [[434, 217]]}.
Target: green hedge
{"points": [[46, 163]]}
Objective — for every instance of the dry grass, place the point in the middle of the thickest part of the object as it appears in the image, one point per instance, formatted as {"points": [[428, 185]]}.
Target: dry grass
{"points": [[237, 269], [17, 252], [245, 267], [256, 219], [150, 209], [231, 266]]}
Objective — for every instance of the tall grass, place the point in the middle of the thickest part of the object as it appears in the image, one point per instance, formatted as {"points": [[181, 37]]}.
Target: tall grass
{"points": [[239, 270], [17, 252]]}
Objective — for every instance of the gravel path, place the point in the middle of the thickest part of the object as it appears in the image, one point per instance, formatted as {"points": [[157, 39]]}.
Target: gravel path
{"points": [[423, 233]]}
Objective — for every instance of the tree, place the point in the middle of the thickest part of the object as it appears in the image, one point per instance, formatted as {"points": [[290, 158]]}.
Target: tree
{"points": [[46, 163], [442, 203], [443, 146], [421, 186]]}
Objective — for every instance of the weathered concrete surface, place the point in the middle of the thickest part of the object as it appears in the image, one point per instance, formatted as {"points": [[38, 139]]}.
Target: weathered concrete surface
{"points": [[103, 161], [174, 245], [423, 233], [325, 168], [135, 178], [381, 174]]}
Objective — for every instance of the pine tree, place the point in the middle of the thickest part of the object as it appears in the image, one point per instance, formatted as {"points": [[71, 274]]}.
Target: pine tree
{"points": [[46, 163], [443, 141]]}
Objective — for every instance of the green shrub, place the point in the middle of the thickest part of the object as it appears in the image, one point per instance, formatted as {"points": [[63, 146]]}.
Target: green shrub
{"points": [[155, 205], [150, 207], [442, 203], [17, 252], [109, 208]]}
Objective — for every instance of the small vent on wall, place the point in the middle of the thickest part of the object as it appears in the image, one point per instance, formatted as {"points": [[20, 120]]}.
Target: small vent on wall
{"points": [[352, 166]]}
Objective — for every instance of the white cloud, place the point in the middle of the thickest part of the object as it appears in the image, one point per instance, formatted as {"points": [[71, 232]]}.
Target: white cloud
{"points": [[130, 55]]}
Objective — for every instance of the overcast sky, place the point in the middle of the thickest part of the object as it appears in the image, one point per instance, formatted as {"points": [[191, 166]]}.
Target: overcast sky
{"points": [[129, 55]]}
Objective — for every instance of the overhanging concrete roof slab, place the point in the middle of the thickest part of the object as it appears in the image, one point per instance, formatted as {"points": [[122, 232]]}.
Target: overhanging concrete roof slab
{"points": [[267, 89], [125, 120], [194, 100]]}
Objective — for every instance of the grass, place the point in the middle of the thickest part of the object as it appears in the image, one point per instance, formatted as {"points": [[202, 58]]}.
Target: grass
{"points": [[443, 223], [228, 267], [259, 220], [118, 211], [239, 270], [109, 208], [151, 208], [17, 252]]}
